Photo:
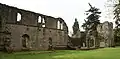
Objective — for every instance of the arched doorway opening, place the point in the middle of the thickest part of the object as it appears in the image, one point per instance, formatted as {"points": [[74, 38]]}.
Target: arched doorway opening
{"points": [[50, 44], [25, 39]]}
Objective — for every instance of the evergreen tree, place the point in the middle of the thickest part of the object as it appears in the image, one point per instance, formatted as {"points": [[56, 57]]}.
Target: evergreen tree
{"points": [[93, 19], [117, 22], [117, 14]]}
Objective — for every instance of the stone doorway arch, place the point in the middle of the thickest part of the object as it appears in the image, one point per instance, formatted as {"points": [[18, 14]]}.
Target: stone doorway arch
{"points": [[50, 44], [25, 39]]}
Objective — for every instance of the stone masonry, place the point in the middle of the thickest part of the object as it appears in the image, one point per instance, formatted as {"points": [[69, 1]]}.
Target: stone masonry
{"points": [[33, 31]]}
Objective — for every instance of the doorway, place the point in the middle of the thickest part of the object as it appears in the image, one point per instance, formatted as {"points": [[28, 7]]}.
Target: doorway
{"points": [[25, 39]]}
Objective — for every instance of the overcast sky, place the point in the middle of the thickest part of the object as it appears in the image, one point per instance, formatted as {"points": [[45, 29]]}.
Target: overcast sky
{"points": [[66, 9]]}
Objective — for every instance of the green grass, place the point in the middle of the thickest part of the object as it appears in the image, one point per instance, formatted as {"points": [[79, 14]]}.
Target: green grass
{"points": [[105, 53]]}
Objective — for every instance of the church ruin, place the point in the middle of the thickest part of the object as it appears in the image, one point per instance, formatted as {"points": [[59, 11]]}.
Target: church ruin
{"points": [[96, 34], [25, 30]]}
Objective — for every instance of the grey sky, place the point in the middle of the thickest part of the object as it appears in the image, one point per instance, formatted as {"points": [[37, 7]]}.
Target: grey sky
{"points": [[66, 9]]}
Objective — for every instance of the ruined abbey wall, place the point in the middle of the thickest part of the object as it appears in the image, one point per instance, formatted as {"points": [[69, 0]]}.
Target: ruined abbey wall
{"points": [[106, 34], [38, 35]]}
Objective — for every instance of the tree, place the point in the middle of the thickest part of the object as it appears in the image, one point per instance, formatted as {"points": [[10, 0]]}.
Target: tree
{"points": [[117, 14], [117, 22], [90, 26], [92, 21], [116, 11]]}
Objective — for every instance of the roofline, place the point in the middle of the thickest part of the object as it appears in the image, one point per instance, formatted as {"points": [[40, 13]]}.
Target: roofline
{"points": [[25, 10]]}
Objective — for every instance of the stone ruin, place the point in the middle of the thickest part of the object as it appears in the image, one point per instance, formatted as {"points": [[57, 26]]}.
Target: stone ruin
{"points": [[34, 31], [102, 37], [106, 34], [96, 34], [26, 30]]}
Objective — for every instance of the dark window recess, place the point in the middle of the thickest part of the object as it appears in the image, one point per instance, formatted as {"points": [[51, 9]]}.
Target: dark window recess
{"points": [[27, 29], [39, 29]]}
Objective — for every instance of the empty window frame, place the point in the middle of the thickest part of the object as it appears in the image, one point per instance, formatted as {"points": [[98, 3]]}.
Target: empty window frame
{"points": [[39, 19], [58, 25], [18, 16]]}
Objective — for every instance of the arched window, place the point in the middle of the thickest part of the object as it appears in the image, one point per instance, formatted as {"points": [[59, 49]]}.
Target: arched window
{"points": [[61, 26], [50, 41], [43, 22], [39, 19], [58, 25], [18, 16]]}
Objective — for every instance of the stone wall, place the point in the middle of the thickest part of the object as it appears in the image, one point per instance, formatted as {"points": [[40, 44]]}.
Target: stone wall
{"points": [[106, 35], [102, 37], [29, 25]]}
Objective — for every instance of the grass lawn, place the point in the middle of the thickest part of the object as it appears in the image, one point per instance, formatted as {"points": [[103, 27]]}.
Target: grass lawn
{"points": [[105, 53]]}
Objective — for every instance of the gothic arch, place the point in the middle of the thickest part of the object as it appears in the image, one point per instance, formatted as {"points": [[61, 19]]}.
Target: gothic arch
{"points": [[25, 39]]}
